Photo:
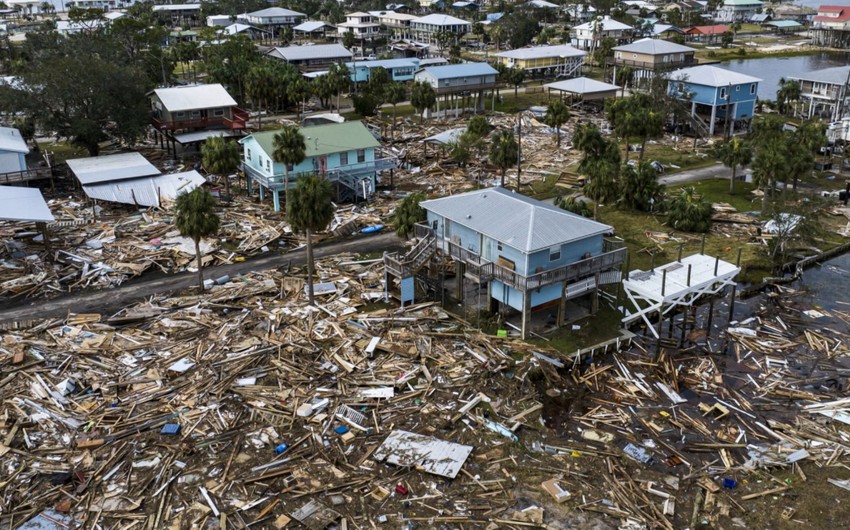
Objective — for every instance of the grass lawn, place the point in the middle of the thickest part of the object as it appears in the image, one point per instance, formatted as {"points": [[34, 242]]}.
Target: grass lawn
{"points": [[63, 151], [667, 155], [717, 190]]}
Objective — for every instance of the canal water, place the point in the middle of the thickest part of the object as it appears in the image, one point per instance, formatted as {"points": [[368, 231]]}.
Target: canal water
{"points": [[828, 284], [772, 69]]}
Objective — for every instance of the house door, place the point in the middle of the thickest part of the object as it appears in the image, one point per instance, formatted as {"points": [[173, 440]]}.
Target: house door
{"points": [[323, 165]]}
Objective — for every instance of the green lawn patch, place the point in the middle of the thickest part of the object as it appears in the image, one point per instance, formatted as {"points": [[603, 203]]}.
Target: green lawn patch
{"points": [[717, 190]]}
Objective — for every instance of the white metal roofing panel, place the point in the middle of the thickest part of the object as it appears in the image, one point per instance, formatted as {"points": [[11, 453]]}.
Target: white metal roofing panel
{"points": [[311, 25], [146, 191], [318, 51], [23, 204], [436, 19], [511, 218], [653, 47], [582, 85], [11, 140], [539, 52], [713, 76], [111, 167], [272, 12], [191, 97], [200, 136], [433, 455], [177, 7], [606, 24]]}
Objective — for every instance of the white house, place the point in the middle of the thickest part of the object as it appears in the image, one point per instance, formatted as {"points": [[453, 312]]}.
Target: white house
{"points": [[425, 29], [584, 35], [738, 10], [364, 26]]}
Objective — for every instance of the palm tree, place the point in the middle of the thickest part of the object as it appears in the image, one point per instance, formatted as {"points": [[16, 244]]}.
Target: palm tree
{"points": [[394, 94], [310, 210], [736, 152], [689, 212], [557, 114], [497, 35], [408, 214], [516, 76], [639, 188], [601, 186], [260, 89], [289, 149], [340, 78], [768, 165], [300, 91], [789, 91], [196, 219], [504, 152], [422, 97], [220, 157]]}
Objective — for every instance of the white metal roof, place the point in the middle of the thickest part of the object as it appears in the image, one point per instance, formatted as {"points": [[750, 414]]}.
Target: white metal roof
{"points": [[708, 75], [606, 24], [582, 85], [653, 47], [146, 191], [194, 97], [23, 204], [177, 7], [273, 12], [433, 455], [311, 25], [838, 75], [542, 4], [111, 168], [11, 140], [540, 52], [318, 51], [435, 19], [511, 218], [200, 136]]}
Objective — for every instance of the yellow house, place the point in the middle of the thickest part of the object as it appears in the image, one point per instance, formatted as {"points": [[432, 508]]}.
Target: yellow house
{"points": [[562, 60]]}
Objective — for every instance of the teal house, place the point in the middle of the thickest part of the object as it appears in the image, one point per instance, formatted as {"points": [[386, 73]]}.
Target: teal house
{"points": [[346, 153]]}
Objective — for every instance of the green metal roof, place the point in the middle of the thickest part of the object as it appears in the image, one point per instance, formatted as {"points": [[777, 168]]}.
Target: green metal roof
{"points": [[325, 139]]}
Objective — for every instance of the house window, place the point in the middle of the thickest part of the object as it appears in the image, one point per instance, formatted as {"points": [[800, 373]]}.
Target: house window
{"points": [[218, 113], [499, 246], [196, 113], [738, 88], [619, 55], [722, 93], [290, 167], [181, 114], [361, 156], [343, 158], [752, 89], [268, 164], [554, 253], [247, 154]]}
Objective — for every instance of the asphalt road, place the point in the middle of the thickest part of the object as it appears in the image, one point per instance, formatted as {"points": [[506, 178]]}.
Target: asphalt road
{"points": [[107, 300]]}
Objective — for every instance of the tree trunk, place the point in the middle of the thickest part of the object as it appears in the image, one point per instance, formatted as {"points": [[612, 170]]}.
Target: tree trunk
{"points": [[732, 182], [627, 150], [310, 295], [642, 150], [595, 210], [200, 263], [516, 91], [558, 132], [504, 170]]}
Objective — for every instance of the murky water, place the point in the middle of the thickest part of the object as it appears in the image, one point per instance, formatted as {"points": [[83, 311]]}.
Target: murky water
{"points": [[828, 284], [772, 69]]}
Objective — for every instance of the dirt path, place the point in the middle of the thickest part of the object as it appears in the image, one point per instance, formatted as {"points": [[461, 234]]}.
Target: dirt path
{"points": [[135, 290]]}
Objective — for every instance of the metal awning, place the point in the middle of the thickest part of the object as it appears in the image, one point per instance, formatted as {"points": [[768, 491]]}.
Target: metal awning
{"points": [[146, 191], [201, 136]]}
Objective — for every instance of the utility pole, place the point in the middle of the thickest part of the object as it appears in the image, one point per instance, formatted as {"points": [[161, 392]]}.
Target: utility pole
{"points": [[519, 149]]}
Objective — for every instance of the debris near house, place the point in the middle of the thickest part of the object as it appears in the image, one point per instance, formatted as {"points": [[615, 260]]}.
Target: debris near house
{"points": [[244, 406], [119, 243]]}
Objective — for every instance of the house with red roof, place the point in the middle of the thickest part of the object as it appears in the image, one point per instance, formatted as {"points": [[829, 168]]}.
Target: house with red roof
{"points": [[831, 26], [706, 33]]}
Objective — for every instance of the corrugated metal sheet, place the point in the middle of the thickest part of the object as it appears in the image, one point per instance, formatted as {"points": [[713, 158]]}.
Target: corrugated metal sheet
{"points": [[712, 76], [542, 52], [522, 223], [194, 97], [23, 204], [200, 136], [653, 47], [111, 167], [582, 85], [433, 455], [11, 140], [303, 53], [146, 191]]}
